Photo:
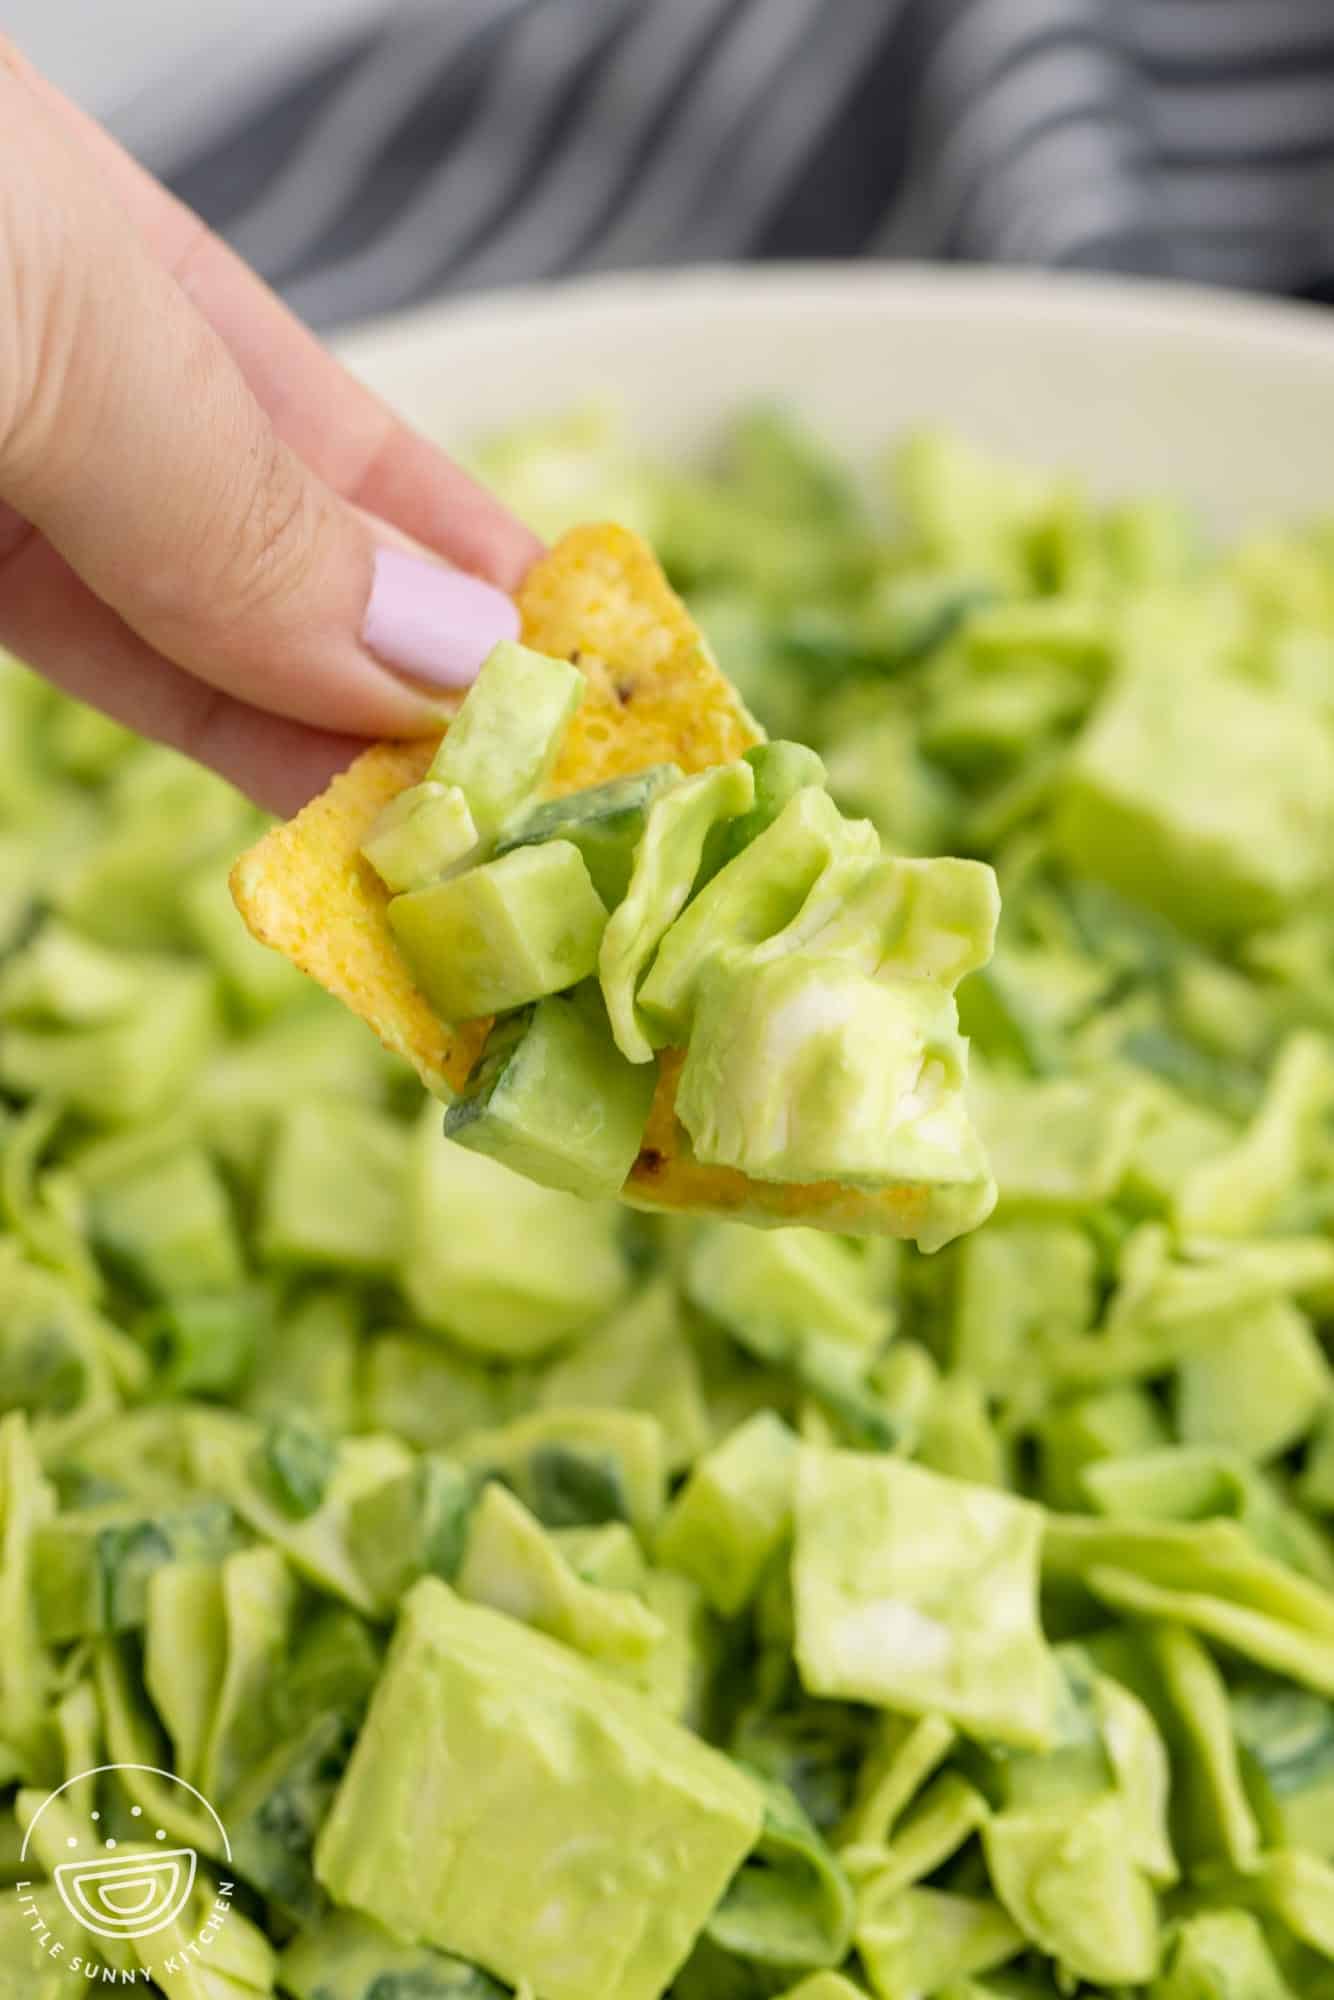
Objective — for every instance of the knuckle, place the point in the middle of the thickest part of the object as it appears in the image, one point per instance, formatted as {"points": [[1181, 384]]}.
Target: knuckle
{"points": [[46, 291], [269, 553]]}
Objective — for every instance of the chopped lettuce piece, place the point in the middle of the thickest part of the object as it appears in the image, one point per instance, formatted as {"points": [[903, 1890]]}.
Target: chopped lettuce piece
{"points": [[225, 1459], [350, 1958], [577, 1468], [1237, 1191], [127, 1070], [1213, 1811], [1119, 1425], [185, 1656], [734, 1512], [1072, 1886], [927, 1937], [275, 1815], [905, 1752], [790, 1904], [780, 1292], [61, 979], [1285, 1735], [511, 1563], [27, 1505], [258, 1607], [258, 984], [667, 861], [1020, 1285], [948, 1813], [413, 1524], [641, 1359], [753, 901], [1220, 1955], [92, 1566], [428, 1393], [919, 1592], [1257, 1387], [802, 1069], [1208, 1575], [58, 1358], [1061, 1146], [309, 1360]]}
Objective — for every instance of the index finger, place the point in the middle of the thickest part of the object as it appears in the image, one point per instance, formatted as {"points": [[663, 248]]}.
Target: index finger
{"points": [[343, 431]]}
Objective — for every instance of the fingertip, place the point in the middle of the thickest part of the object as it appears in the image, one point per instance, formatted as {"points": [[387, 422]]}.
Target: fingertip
{"points": [[434, 623]]}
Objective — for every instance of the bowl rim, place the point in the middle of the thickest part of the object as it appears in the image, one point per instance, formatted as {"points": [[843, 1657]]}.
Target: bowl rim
{"points": [[1107, 303]]}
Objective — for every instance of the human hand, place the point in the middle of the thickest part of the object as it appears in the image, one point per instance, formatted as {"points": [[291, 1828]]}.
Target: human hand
{"points": [[208, 529]]}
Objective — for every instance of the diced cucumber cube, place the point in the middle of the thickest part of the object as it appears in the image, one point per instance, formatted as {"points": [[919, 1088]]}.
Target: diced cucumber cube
{"points": [[604, 822], [486, 1739], [501, 745], [169, 1227], [553, 1098], [425, 830], [504, 1267], [1198, 794], [334, 1191], [503, 934]]}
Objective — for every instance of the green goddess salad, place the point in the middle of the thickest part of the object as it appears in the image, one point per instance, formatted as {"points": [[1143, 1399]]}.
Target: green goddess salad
{"points": [[454, 1587]]}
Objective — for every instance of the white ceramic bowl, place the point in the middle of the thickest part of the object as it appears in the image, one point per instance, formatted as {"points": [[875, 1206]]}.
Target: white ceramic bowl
{"points": [[1225, 401]]}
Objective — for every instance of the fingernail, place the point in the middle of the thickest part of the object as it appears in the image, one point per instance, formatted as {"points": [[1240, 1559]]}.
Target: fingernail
{"points": [[436, 623]]}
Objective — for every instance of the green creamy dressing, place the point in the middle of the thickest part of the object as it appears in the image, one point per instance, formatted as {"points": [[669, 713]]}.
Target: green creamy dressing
{"points": [[557, 1601]]}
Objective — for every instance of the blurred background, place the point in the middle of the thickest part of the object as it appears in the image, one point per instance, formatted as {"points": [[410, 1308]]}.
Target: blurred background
{"points": [[370, 154]]}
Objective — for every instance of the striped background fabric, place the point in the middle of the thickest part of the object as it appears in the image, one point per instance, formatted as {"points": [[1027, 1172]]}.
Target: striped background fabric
{"points": [[445, 147]]}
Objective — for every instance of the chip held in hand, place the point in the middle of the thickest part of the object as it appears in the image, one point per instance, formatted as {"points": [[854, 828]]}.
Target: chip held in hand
{"points": [[754, 1004]]}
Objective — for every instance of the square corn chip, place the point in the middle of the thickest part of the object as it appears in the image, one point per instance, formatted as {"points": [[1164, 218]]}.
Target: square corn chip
{"points": [[655, 695]]}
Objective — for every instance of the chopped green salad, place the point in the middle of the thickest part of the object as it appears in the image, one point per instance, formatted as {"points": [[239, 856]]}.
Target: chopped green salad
{"points": [[553, 1600]]}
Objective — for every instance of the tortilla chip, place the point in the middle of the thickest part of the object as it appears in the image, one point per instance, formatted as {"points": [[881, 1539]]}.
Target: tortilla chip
{"points": [[655, 695]]}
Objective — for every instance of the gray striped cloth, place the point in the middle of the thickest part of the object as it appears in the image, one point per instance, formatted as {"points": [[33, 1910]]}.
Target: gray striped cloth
{"points": [[464, 144]]}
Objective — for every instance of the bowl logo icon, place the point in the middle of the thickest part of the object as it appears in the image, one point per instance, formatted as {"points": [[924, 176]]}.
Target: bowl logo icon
{"points": [[123, 1875], [129, 1897]]}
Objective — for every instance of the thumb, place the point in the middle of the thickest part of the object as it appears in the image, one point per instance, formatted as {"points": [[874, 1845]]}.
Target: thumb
{"points": [[130, 441]]}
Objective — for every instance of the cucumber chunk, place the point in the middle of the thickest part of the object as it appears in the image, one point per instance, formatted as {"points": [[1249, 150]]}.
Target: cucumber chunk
{"points": [[603, 821], [424, 831], [552, 1097], [501, 745], [503, 934]]}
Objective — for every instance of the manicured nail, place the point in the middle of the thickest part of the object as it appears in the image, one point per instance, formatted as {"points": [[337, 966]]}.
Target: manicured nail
{"points": [[438, 624]]}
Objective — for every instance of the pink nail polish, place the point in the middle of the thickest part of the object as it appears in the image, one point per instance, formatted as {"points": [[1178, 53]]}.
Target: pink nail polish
{"points": [[436, 623]]}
